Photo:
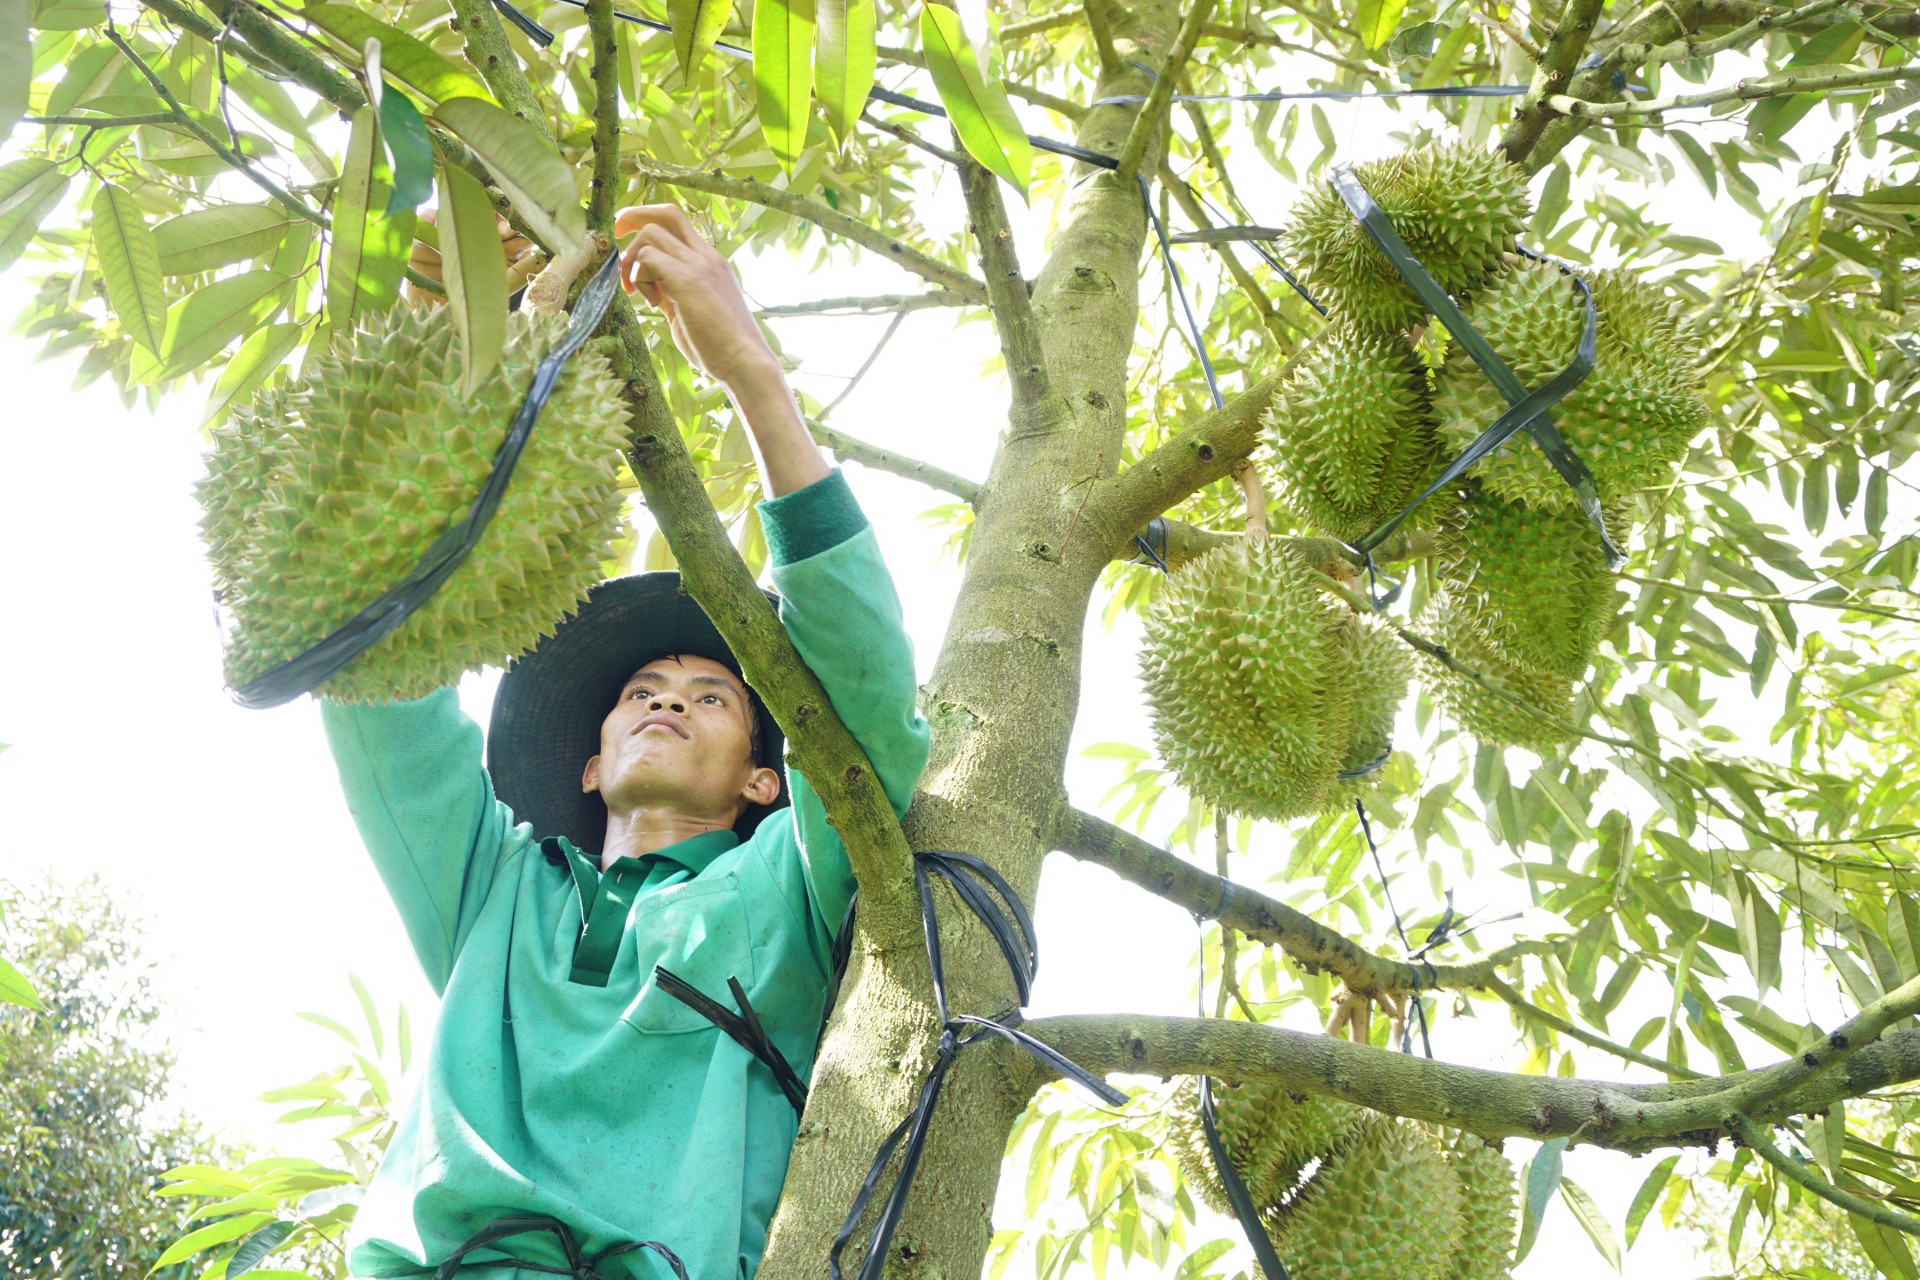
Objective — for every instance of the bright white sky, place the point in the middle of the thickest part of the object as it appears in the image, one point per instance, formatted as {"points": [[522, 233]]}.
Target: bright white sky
{"points": [[225, 827]]}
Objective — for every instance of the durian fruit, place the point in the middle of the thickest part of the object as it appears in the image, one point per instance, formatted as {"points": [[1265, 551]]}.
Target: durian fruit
{"points": [[1632, 417], [1252, 674], [1268, 1133], [1353, 440], [323, 496], [1533, 581], [1376, 705], [1483, 714], [1457, 207], [1489, 1209], [1385, 1205]]}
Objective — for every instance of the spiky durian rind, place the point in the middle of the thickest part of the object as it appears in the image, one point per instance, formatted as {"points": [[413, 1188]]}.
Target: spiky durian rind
{"points": [[375, 453], [1483, 714], [1385, 1205], [1489, 1209], [1270, 1134]]}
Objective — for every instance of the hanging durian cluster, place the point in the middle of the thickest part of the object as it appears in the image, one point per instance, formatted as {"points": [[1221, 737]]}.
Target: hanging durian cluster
{"points": [[1387, 1199], [1263, 689], [320, 496]]}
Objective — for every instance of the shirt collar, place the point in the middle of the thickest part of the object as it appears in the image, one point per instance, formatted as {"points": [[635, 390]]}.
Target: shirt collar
{"points": [[695, 854]]}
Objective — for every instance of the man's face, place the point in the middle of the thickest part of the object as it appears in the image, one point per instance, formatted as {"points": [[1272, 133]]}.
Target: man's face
{"points": [[680, 738]]}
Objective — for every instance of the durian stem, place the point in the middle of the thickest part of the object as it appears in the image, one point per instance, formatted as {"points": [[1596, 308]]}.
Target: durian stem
{"points": [[1305, 940], [1755, 1137], [1778, 85], [547, 294], [1146, 125], [1255, 494], [1493, 1104], [827, 219], [1535, 1013]]}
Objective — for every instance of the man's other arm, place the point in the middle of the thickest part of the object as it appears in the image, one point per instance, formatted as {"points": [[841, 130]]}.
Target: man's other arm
{"points": [[417, 790]]}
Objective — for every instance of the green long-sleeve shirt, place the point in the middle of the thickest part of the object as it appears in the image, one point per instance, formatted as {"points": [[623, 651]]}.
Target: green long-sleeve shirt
{"points": [[616, 1108]]}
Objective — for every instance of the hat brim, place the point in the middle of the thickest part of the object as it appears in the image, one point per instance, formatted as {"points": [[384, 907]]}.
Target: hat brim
{"points": [[552, 700]]}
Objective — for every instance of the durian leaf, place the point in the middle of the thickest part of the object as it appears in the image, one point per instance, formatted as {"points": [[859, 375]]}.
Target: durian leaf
{"points": [[206, 1237], [539, 183], [1886, 1249], [369, 248], [844, 60], [696, 25], [409, 154], [1543, 1178], [15, 989], [407, 59], [257, 357], [475, 272], [205, 321], [69, 15], [16, 65], [29, 189], [129, 266], [208, 239], [257, 1246], [1644, 1198], [978, 107], [1587, 1213], [1377, 20], [783, 74]]}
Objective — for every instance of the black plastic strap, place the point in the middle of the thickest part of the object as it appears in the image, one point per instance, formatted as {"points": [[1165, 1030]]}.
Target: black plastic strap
{"points": [[1413, 958], [1179, 286], [1442, 91], [743, 1027], [1528, 408], [1012, 929], [1238, 1197], [582, 1268], [306, 671], [1155, 532]]}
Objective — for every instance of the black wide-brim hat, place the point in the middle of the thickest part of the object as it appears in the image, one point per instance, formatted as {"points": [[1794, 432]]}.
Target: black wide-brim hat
{"points": [[552, 700]]}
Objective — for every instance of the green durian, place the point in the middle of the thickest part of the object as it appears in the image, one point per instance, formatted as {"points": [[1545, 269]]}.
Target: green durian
{"points": [[1533, 581], [1251, 673], [1353, 439], [1481, 713], [1376, 705], [1630, 420], [323, 496], [1457, 207], [1268, 1133], [1489, 1209], [1384, 1206]]}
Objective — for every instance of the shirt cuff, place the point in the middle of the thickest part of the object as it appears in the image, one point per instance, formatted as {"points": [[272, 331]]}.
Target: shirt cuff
{"points": [[808, 521]]}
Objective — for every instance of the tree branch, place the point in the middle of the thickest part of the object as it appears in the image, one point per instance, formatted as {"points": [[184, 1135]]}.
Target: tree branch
{"points": [[1110, 62], [1034, 401], [851, 449], [1555, 68], [1146, 125], [187, 20], [1305, 940], [487, 49], [1687, 47], [826, 218], [870, 306], [1045, 22], [1752, 1135], [1493, 1104], [818, 744], [605, 188], [1780, 84]]}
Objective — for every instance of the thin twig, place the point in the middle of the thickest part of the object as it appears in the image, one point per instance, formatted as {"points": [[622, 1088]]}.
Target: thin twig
{"points": [[1242, 36], [852, 449], [893, 328], [909, 137], [1753, 1136], [878, 304], [1778, 85], [1841, 606], [1530, 1010]]}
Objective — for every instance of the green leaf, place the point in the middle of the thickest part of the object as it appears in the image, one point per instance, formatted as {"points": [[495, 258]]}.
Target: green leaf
{"points": [[206, 1237], [403, 1038], [257, 358], [1643, 1199], [69, 15], [410, 61], [1377, 20], [369, 249], [696, 25], [409, 154], [16, 65], [1703, 167], [208, 1173], [29, 189], [1543, 1177], [475, 271], [365, 998], [205, 321], [208, 239], [1591, 1220], [1885, 1248], [257, 1246], [15, 989], [129, 266], [844, 60], [783, 74], [979, 109], [539, 183]]}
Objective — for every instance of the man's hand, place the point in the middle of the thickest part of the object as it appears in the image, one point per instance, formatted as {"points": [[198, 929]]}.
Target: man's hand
{"points": [[673, 267], [671, 264]]}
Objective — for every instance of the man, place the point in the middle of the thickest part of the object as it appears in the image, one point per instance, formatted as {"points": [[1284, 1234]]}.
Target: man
{"points": [[631, 815]]}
